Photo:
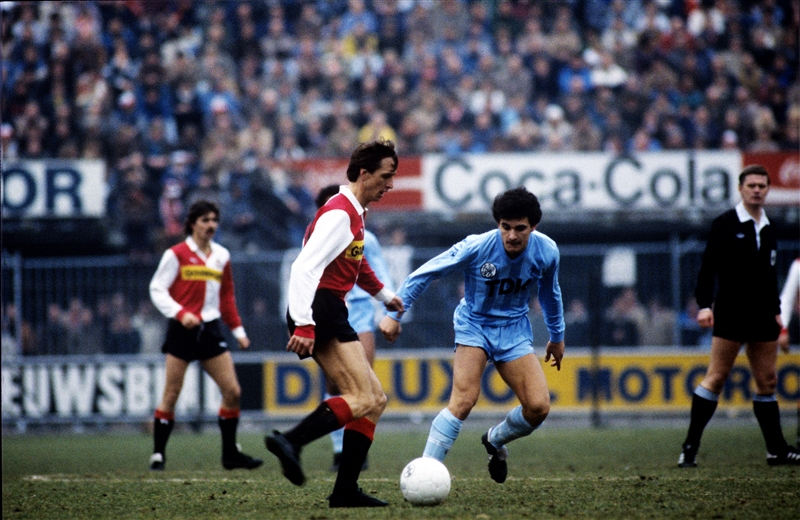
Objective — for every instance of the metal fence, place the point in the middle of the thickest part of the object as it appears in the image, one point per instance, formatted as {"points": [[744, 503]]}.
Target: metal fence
{"points": [[98, 305]]}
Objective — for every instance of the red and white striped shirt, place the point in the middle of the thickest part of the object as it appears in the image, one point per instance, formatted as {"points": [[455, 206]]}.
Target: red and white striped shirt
{"points": [[188, 281], [332, 258]]}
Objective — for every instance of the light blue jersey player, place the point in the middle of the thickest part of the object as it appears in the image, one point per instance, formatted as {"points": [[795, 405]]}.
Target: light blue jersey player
{"points": [[500, 268]]}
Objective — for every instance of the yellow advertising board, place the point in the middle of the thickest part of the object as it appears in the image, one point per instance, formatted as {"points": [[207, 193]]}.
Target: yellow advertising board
{"points": [[420, 381]]}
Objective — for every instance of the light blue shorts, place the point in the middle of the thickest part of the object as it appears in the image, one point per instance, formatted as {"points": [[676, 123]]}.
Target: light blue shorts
{"points": [[361, 315], [506, 342]]}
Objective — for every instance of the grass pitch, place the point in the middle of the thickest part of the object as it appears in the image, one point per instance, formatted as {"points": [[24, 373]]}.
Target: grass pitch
{"points": [[555, 473]]}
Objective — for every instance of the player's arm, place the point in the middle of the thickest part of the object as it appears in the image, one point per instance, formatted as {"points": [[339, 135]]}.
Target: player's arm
{"points": [[419, 280], [553, 310], [789, 294], [704, 292], [331, 235], [228, 309], [164, 277]]}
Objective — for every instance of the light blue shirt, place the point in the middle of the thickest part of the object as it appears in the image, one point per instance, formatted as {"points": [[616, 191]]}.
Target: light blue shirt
{"points": [[496, 288]]}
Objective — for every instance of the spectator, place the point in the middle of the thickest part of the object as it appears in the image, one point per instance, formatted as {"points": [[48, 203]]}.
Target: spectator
{"points": [[19, 338], [124, 338], [625, 321], [659, 329], [150, 326], [576, 321]]}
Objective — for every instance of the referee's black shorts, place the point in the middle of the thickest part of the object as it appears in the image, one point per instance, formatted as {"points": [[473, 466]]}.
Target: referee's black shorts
{"points": [[330, 318], [745, 325], [199, 343]]}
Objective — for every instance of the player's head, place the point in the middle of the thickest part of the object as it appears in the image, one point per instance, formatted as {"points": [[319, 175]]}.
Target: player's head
{"points": [[325, 194], [517, 214], [753, 169], [516, 204], [206, 211], [369, 156], [754, 186]]}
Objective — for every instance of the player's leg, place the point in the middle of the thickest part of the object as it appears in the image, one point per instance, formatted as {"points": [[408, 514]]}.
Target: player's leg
{"points": [[220, 368], [526, 379], [468, 366], [164, 419], [706, 396], [349, 369], [367, 339], [763, 357]]}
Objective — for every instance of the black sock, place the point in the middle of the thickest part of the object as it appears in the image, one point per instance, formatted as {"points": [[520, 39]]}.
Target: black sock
{"points": [[702, 411], [161, 430], [354, 452], [318, 423], [769, 419], [227, 428]]}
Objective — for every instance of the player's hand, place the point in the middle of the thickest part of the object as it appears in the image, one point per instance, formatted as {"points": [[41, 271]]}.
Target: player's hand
{"points": [[301, 346], [783, 337], [243, 342], [190, 320], [705, 318], [783, 342], [390, 328], [556, 351], [396, 305]]}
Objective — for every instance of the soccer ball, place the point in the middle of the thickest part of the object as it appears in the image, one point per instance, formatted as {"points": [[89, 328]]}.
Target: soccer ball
{"points": [[425, 482]]}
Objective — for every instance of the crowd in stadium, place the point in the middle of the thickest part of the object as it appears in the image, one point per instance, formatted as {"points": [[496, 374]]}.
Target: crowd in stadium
{"points": [[187, 99]]}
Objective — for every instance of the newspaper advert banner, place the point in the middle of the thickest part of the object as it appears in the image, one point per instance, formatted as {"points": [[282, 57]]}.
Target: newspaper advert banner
{"points": [[414, 384], [584, 181], [54, 188]]}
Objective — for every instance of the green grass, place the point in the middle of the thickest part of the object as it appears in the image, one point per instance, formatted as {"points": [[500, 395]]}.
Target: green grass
{"points": [[555, 473]]}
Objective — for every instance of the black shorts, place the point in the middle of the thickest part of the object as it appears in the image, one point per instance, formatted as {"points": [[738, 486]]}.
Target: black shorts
{"points": [[200, 343], [330, 316], [745, 327]]}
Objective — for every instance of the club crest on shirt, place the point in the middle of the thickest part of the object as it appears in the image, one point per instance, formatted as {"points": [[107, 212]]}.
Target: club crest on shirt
{"points": [[488, 270], [773, 256]]}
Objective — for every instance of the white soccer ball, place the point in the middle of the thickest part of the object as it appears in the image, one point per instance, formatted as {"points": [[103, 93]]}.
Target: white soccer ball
{"points": [[425, 482]]}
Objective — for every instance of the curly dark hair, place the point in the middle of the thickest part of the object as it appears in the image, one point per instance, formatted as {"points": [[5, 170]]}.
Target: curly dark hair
{"points": [[369, 156], [197, 210], [517, 203]]}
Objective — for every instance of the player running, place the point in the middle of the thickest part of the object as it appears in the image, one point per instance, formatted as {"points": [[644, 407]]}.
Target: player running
{"points": [[500, 268]]}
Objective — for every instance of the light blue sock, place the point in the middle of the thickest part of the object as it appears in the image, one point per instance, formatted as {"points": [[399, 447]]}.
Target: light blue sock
{"points": [[513, 427], [337, 436], [444, 430]]}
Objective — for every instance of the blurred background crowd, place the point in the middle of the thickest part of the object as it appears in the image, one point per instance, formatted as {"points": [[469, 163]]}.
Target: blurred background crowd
{"points": [[189, 99], [186, 99]]}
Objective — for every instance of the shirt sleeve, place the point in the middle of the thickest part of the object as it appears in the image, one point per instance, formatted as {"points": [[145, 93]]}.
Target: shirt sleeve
{"points": [[706, 277], [790, 291], [227, 303], [330, 237], [162, 280], [550, 300], [416, 283]]}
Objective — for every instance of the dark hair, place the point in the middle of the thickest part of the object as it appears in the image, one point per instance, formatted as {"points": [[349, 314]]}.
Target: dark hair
{"points": [[325, 194], [369, 156], [515, 204], [197, 210], [753, 169]]}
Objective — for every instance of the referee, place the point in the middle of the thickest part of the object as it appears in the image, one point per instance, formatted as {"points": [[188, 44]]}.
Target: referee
{"points": [[740, 259]]}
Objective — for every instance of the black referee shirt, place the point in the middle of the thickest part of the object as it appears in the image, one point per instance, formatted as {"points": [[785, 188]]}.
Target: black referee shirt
{"points": [[745, 275]]}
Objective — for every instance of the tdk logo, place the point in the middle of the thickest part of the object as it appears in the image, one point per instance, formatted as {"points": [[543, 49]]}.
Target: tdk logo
{"points": [[507, 286]]}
